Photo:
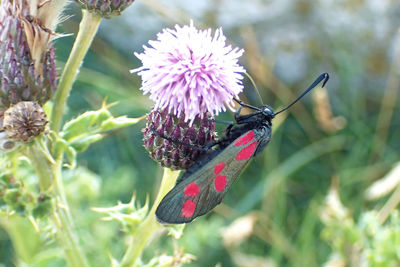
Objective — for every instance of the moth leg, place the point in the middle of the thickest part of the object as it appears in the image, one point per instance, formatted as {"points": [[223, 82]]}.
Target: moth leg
{"points": [[237, 118], [242, 119], [229, 123], [204, 149], [242, 104], [237, 113], [228, 130], [222, 122], [212, 144]]}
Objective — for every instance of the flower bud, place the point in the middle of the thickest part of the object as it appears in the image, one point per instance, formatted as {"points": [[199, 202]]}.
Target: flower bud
{"points": [[105, 8], [27, 61], [43, 206], [174, 143], [24, 121]]}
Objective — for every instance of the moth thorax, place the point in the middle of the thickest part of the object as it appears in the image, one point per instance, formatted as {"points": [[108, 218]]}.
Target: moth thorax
{"points": [[174, 143]]}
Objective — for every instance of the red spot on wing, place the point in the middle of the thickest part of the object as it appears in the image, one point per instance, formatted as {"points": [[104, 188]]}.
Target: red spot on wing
{"points": [[245, 139], [247, 151], [219, 167], [191, 190], [220, 183], [188, 208]]}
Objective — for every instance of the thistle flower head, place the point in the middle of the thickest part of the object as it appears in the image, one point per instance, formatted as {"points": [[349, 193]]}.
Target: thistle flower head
{"points": [[105, 8], [190, 71], [27, 61]]}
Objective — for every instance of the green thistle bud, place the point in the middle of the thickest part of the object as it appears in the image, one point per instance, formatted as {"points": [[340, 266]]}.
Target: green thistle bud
{"points": [[24, 121], [27, 61], [43, 206], [13, 197], [180, 151], [105, 8]]}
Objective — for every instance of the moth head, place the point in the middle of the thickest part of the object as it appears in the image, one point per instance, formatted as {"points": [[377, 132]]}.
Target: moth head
{"points": [[268, 112]]}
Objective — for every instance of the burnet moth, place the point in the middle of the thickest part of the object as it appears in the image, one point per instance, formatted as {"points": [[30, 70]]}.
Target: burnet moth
{"points": [[204, 185]]}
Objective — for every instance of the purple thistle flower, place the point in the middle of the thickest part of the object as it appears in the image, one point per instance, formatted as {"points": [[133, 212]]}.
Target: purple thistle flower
{"points": [[190, 72]]}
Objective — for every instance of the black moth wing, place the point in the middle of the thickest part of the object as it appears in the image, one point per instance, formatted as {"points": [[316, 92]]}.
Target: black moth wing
{"points": [[201, 191]]}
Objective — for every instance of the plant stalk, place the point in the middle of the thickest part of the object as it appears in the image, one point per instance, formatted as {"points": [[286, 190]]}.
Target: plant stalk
{"points": [[390, 98], [87, 30], [42, 166], [149, 225], [66, 230], [49, 175], [389, 206]]}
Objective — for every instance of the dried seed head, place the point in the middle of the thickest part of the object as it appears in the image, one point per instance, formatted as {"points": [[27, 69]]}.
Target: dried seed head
{"points": [[180, 151], [27, 61], [24, 121], [105, 8]]}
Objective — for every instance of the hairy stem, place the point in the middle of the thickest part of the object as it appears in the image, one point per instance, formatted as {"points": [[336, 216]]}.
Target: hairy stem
{"points": [[65, 226], [49, 175], [149, 224], [42, 166], [87, 30]]}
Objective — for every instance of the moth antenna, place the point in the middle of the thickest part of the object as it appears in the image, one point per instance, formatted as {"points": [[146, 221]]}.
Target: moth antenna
{"points": [[255, 87], [323, 77]]}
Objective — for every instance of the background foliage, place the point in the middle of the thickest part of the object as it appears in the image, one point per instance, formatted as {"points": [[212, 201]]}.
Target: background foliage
{"points": [[303, 201]]}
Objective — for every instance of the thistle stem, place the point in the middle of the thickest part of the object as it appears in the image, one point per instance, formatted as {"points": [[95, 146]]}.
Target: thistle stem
{"points": [[49, 175], [42, 166], [149, 225], [65, 227], [389, 206], [87, 30]]}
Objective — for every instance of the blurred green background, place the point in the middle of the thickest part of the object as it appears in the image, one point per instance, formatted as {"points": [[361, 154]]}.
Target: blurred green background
{"points": [[346, 135]]}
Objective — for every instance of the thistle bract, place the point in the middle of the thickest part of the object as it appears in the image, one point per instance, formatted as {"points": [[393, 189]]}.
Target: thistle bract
{"points": [[185, 141], [105, 8]]}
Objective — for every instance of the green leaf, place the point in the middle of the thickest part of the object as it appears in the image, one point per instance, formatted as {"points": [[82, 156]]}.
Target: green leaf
{"points": [[129, 215], [85, 123], [84, 141], [25, 239], [119, 122], [175, 230], [90, 127]]}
